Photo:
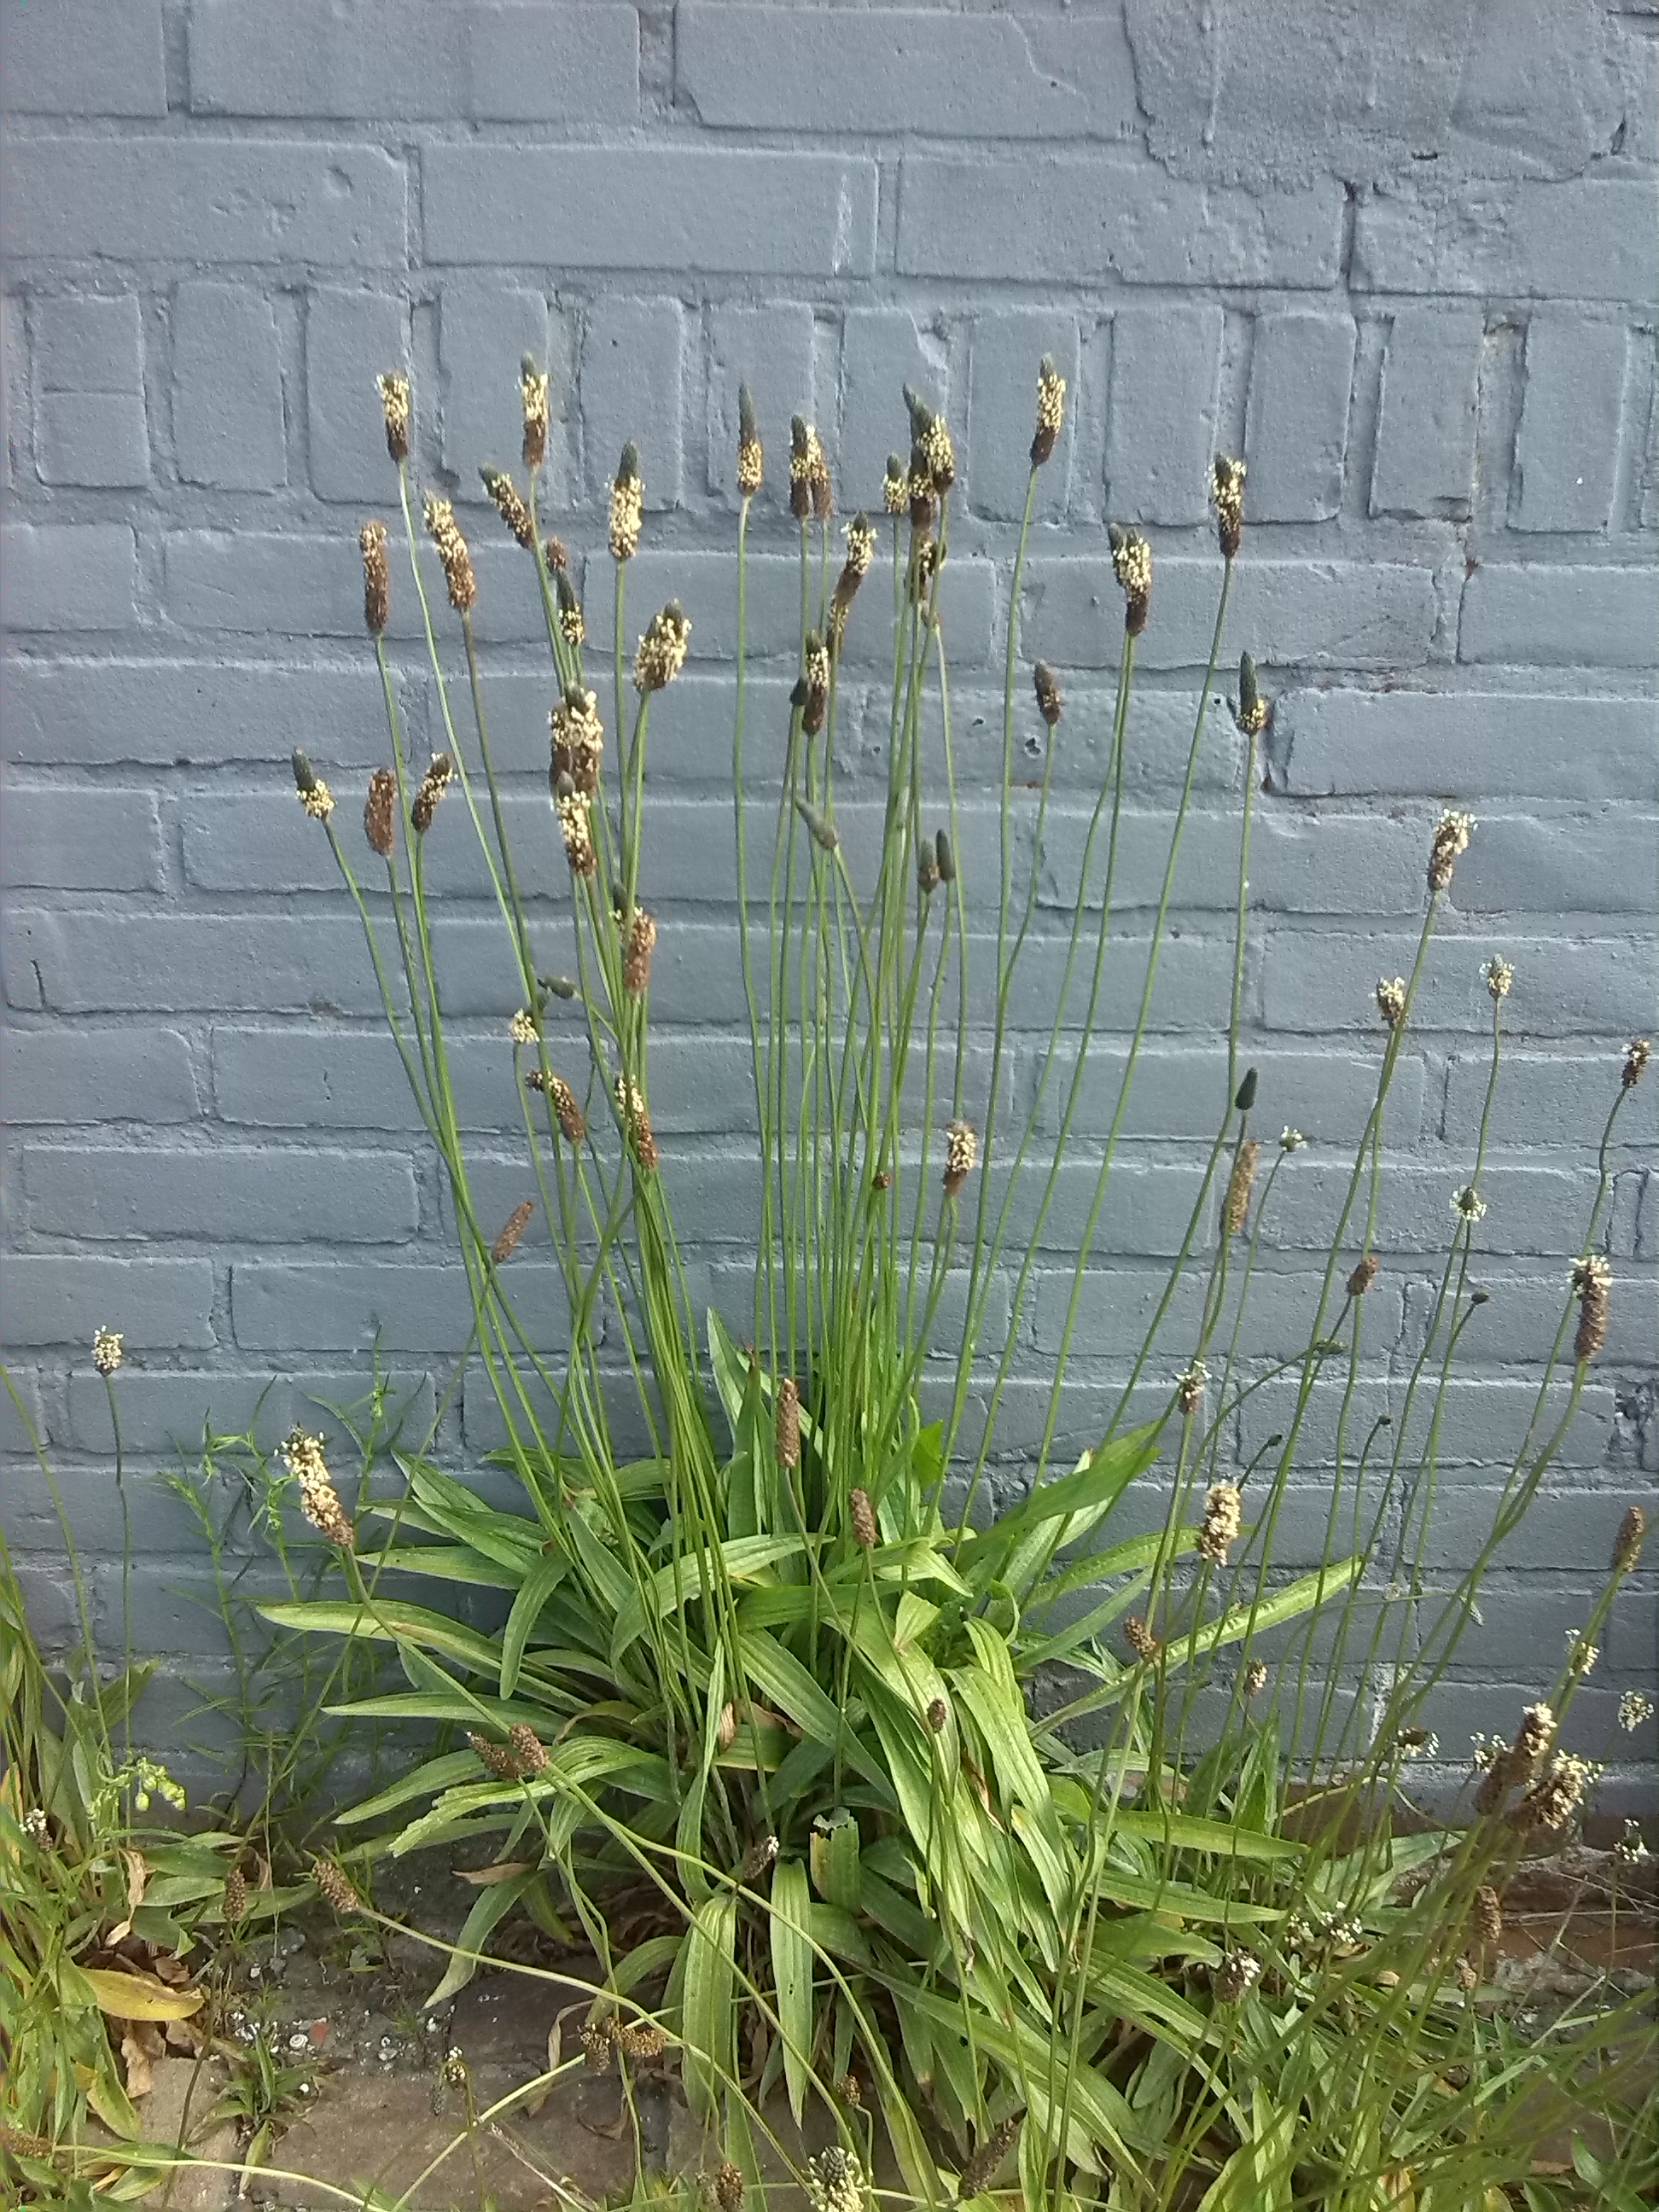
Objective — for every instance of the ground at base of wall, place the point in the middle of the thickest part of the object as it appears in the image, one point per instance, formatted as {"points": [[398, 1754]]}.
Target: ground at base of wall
{"points": [[344, 2003]]}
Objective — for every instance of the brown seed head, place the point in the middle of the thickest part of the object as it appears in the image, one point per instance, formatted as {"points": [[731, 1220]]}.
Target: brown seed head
{"points": [[804, 453], [752, 458], [1240, 1184], [1364, 1275], [1638, 1053], [757, 1860], [572, 1124], [527, 1748], [377, 577], [511, 1229], [23, 2143], [788, 1424], [598, 2043], [1237, 1973], [496, 1757], [577, 736], [576, 830], [1050, 703], [850, 2090], [434, 784], [556, 553], [1391, 1000], [510, 506], [1227, 489], [1190, 1387], [234, 1903], [863, 1517], [453, 555], [725, 1728], [1592, 1280], [1254, 1681], [532, 392], [921, 488], [1223, 1515], [1451, 837], [380, 811], [395, 406], [336, 1885], [1555, 1796], [981, 2168], [1627, 1544], [636, 961], [1487, 1914], [662, 650], [728, 2188], [1131, 564], [641, 2040], [1050, 410], [1138, 1635], [938, 1713], [961, 1155]]}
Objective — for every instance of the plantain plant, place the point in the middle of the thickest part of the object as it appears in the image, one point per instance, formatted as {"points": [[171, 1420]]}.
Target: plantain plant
{"points": [[1008, 1841]]}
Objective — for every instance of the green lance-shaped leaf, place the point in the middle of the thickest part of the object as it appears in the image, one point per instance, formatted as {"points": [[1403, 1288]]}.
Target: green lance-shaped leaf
{"points": [[792, 1975]]}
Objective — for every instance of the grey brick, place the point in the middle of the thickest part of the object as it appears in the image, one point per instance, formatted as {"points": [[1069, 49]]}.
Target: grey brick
{"points": [[79, 961], [484, 330], [1156, 742], [770, 349], [1076, 219], [1530, 1208], [1518, 1327], [90, 342], [1181, 1091], [1584, 239], [1584, 618], [198, 199], [1439, 745], [84, 58], [273, 1195], [69, 576], [1561, 1099], [630, 388], [1302, 864], [227, 389], [1608, 863], [1332, 613], [702, 580], [69, 838], [1166, 372], [410, 58], [14, 386], [1007, 346], [1570, 1530], [1314, 981], [1116, 1306], [93, 439], [401, 1305], [260, 583], [158, 1305], [1566, 451], [164, 1411], [882, 351], [289, 1079], [180, 712], [985, 77], [351, 339], [82, 1075], [1296, 438], [1424, 460], [746, 212]]}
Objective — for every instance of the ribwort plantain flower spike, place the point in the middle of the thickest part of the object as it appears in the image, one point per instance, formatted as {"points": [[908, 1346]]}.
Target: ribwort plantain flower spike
{"points": [[1227, 489], [575, 828], [433, 785], [896, 487], [1240, 1184], [336, 1885], [1627, 1544], [961, 1154], [862, 1516], [380, 812], [1391, 1000], [1451, 837], [511, 1232], [570, 610], [1364, 1275], [1499, 976], [577, 737], [1139, 1637], [1131, 564], [315, 794], [636, 1123], [1638, 1053], [109, 1351], [1251, 712], [1222, 1517], [661, 651], [396, 408], [1050, 700], [1050, 410], [377, 577], [804, 454], [1592, 1280], [627, 505], [454, 553], [788, 1422], [319, 1501], [636, 961], [510, 506], [532, 396], [751, 454]]}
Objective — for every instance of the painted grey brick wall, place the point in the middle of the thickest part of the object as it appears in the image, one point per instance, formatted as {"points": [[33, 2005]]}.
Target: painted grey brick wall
{"points": [[1407, 262]]}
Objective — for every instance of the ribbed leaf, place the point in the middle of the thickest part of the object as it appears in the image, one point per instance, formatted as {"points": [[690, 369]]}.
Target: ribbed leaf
{"points": [[490, 1906], [538, 1586], [388, 1621], [792, 1974], [681, 1581], [706, 1999]]}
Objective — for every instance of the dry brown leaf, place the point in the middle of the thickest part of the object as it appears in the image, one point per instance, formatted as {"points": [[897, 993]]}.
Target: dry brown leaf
{"points": [[142, 2043], [502, 1870]]}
